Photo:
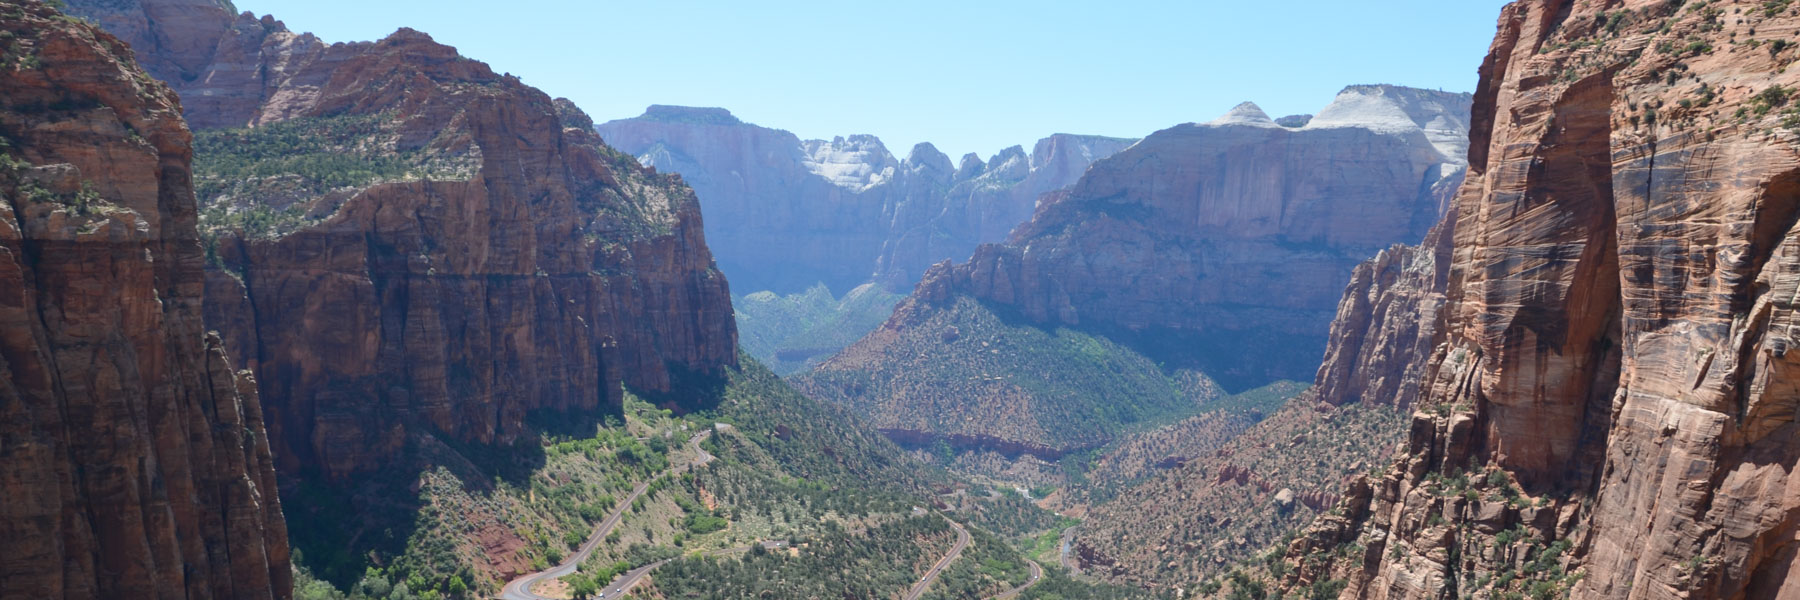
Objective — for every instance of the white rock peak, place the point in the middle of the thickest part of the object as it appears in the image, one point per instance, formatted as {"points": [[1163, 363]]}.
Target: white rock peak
{"points": [[1441, 117], [1247, 113], [858, 163]]}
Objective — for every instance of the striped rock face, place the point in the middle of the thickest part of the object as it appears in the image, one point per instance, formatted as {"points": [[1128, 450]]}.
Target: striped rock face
{"points": [[1614, 371], [133, 457]]}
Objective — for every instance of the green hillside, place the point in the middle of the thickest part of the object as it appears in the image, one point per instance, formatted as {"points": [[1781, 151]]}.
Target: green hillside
{"points": [[794, 333], [967, 372]]}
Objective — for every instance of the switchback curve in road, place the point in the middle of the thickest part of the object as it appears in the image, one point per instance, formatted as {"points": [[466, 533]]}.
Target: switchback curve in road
{"points": [[962, 542], [1037, 574], [520, 587]]}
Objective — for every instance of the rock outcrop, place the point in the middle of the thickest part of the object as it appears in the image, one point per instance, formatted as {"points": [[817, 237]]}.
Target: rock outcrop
{"points": [[1611, 414], [1386, 325], [230, 69], [1226, 245], [133, 457], [484, 257], [784, 214]]}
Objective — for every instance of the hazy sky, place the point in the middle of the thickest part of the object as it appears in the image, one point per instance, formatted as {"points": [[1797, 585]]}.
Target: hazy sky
{"points": [[967, 75]]}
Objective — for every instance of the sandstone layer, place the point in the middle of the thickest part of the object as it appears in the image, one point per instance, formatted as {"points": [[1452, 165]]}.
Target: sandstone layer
{"points": [[785, 214], [133, 457], [485, 257], [1386, 325], [1611, 414]]}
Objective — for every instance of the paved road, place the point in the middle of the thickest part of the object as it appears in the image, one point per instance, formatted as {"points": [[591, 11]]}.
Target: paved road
{"points": [[1037, 573], [632, 578], [520, 587], [1068, 540], [629, 580], [962, 541]]}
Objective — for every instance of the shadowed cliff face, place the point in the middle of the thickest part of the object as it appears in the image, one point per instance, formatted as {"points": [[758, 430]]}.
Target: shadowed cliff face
{"points": [[499, 260], [133, 457], [1618, 322], [786, 214]]}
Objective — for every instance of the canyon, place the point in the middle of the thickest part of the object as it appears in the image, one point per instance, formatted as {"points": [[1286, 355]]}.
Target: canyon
{"points": [[379, 303], [133, 455], [821, 238], [1199, 222]]}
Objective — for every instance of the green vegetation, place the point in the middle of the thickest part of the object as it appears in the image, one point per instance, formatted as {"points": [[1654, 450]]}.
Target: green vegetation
{"points": [[786, 468], [986, 568], [265, 180], [837, 563], [1060, 388], [1540, 576], [1771, 98], [1058, 584], [1010, 514], [818, 442], [794, 333], [15, 181], [419, 520], [1222, 510]]}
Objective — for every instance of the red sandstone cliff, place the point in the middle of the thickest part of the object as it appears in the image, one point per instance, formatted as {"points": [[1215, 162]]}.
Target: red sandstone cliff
{"points": [[516, 264], [132, 455], [1612, 413]]}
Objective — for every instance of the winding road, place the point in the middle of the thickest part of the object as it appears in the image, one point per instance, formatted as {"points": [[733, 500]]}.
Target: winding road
{"points": [[1068, 541], [962, 542], [631, 578], [520, 587], [1037, 573]]}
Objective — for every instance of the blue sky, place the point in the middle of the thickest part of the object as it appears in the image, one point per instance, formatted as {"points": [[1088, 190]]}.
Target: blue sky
{"points": [[967, 75]]}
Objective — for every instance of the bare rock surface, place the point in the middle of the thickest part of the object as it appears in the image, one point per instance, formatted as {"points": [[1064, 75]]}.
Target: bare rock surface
{"points": [[785, 214], [133, 457], [1386, 325], [514, 264], [1610, 414]]}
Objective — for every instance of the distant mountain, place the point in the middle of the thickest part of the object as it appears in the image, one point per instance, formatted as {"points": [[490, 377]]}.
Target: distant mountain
{"points": [[1222, 248], [785, 214], [798, 331]]}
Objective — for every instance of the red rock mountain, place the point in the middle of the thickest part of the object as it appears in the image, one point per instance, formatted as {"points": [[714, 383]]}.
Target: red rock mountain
{"points": [[785, 214], [500, 260], [133, 457], [1611, 414], [1226, 245]]}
